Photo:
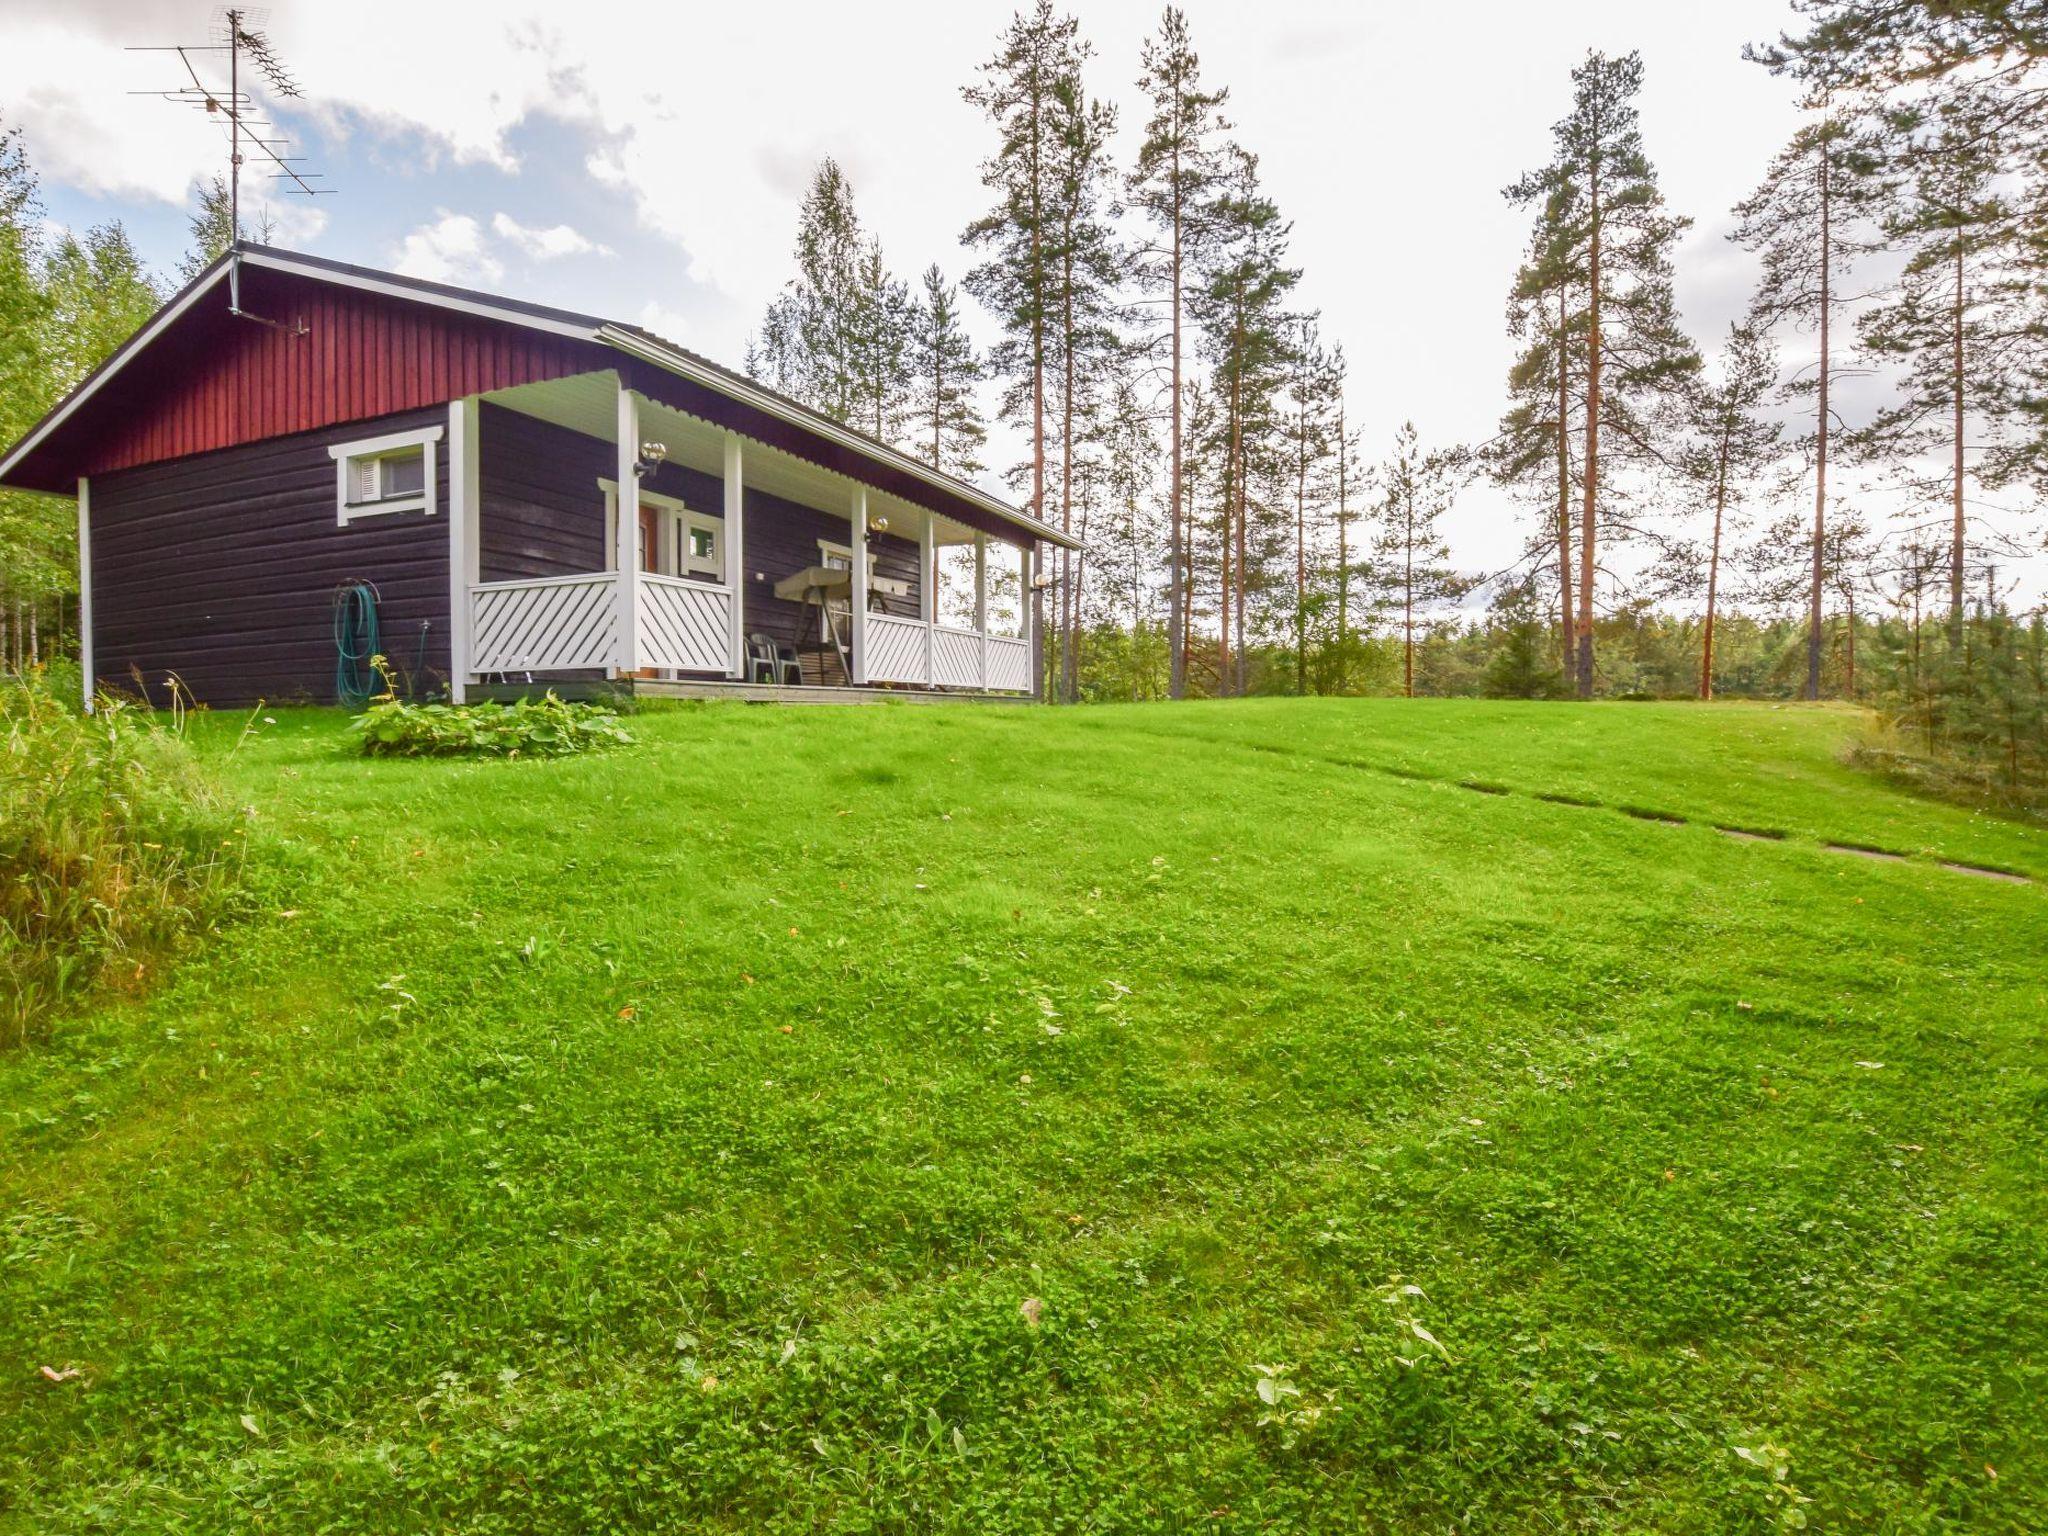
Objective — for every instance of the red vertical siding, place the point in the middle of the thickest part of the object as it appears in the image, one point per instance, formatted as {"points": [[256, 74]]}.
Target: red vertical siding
{"points": [[237, 381]]}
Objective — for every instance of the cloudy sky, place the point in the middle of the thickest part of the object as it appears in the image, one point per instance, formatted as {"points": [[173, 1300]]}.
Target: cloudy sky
{"points": [[645, 162]]}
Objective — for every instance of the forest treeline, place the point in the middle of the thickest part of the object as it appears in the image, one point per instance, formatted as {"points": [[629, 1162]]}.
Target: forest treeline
{"points": [[1700, 514], [1186, 417]]}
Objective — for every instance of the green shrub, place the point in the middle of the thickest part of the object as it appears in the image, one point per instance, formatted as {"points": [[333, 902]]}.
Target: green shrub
{"points": [[113, 846], [543, 727]]}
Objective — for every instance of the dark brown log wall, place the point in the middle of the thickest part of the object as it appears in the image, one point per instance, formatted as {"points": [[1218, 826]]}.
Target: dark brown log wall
{"points": [[543, 515], [221, 568]]}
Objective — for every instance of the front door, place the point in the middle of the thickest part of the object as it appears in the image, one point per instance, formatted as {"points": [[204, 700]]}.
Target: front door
{"points": [[650, 557]]}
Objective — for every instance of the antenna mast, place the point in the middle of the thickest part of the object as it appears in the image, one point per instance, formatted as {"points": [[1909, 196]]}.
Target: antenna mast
{"points": [[235, 27]]}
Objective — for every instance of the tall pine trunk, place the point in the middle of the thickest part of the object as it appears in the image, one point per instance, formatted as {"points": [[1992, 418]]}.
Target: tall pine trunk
{"points": [[1408, 596], [1301, 554], [1069, 598], [1232, 498], [1584, 657], [1564, 485], [1176, 618], [1820, 440], [1343, 556], [1956, 530], [1239, 493], [1714, 563]]}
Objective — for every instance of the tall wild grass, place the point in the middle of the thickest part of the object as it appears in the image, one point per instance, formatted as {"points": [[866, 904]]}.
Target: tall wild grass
{"points": [[114, 847]]}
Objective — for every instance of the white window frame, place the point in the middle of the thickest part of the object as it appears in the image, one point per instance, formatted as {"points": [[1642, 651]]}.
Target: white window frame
{"points": [[346, 456], [673, 558]]}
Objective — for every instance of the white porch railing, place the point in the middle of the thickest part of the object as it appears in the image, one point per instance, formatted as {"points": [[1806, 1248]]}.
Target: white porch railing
{"points": [[551, 624], [896, 650], [570, 623], [912, 651], [956, 657], [1009, 664], [685, 624]]}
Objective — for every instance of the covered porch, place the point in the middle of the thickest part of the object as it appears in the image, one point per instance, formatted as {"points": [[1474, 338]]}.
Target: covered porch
{"points": [[730, 565]]}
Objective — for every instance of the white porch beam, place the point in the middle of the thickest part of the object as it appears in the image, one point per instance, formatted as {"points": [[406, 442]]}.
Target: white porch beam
{"points": [[85, 587], [627, 554], [858, 597], [465, 505], [735, 552]]}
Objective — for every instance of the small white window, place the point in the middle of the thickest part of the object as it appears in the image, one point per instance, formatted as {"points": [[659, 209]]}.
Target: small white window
{"points": [[382, 475]]}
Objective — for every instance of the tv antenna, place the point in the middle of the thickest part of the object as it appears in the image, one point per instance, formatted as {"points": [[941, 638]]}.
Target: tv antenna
{"points": [[237, 34]]}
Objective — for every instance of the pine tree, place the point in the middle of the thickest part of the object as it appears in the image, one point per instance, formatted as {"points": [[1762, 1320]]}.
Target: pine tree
{"points": [[1127, 535], [1171, 184], [1349, 487], [1980, 70], [1240, 307], [1084, 338], [1534, 447], [1018, 281], [1613, 217], [213, 228], [1313, 385], [879, 325], [836, 337], [1810, 220], [945, 368], [1956, 317], [1731, 444], [1518, 669], [1410, 554]]}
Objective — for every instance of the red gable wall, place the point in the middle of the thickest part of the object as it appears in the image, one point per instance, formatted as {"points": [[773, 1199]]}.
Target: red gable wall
{"points": [[217, 381]]}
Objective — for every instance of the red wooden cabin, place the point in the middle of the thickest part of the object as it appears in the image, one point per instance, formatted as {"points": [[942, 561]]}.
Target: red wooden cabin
{"points": [[287, 428]]}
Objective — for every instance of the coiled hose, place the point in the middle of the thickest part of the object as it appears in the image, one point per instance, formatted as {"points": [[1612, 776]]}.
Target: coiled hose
{"points": [[356, 641]]}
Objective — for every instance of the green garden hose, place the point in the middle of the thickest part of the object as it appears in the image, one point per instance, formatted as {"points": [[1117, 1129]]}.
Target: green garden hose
{"points": [[356, 640]]}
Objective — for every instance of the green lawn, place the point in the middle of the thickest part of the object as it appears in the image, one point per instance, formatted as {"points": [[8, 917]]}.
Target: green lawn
{"points": [[679, 1139]]}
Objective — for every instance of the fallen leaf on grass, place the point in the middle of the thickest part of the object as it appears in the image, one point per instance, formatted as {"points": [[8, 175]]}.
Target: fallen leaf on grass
{"points": [[1030, 1309], [50, 1374], [628, 1011], [1871, 1066], [249, 1423]]}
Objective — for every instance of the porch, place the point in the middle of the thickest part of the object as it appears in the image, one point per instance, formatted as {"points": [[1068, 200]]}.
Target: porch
{"points": [[728, 558]]}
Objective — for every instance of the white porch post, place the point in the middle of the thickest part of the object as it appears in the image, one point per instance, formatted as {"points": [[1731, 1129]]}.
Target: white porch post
{"points": [[735, 553], [1033, 600], [927, 594], [85, 587], [858, 598], [981, 601], [465, 502], [627, 557]]}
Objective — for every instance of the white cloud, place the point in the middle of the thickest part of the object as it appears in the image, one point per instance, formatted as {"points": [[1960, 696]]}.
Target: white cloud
{"points": [[546, 244], [449, 250]]}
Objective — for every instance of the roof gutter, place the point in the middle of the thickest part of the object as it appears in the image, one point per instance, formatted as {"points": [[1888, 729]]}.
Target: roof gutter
{"points": [[721, 382]]}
